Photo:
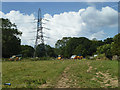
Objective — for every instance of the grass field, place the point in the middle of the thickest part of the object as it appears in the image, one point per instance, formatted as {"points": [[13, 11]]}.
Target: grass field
{"points": [[60, 74]]}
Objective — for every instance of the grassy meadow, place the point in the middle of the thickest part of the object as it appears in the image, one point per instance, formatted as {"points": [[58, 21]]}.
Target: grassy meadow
{"points": [[60, 74]]}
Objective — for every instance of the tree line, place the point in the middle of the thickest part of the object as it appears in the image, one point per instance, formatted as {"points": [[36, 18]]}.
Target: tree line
{"points": [[67, 46]]}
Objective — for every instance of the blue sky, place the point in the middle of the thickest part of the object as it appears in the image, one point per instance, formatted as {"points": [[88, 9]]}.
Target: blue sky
{"points": [[89, 24], [52, 7]]}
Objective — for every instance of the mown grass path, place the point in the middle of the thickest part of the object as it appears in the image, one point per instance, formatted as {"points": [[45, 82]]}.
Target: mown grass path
{"points": [[60, 74], [63, 79]]}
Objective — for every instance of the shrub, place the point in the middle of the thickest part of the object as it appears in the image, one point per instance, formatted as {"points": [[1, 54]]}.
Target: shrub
{"points": [[101, 57]]}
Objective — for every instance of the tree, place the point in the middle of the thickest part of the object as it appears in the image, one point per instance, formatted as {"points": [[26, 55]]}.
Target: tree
{"points": [[27, 51], [81, 49], [108, 41], [73, 43], [10, 38], [94, 45], [105, 49], [60, 45], [116, 45], [50, 51], [44, 50], [88, 47], [40, 50]]}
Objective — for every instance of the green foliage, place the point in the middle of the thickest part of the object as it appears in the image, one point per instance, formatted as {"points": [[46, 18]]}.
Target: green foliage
{"points": [[60, 45], [105, 49], [81, 49], [116, 45], [50, 51], [108, 40], [40, 50], [77, 45], [73, 43], [94, 45], [10, 38], [27, 51], [44, 50], [101, 57]]}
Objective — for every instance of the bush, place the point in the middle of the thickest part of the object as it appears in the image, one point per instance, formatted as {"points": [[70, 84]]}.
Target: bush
{"points": [[87, 57], [101, 57]]}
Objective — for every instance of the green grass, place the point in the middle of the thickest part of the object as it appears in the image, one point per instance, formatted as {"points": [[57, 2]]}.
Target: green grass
{"points": [[33, 74]]}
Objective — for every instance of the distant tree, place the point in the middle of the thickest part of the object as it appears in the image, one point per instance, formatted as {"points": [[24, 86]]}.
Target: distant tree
{"points": [[94, 45], [88, 47], [105, 49], [73, 43], [27, 51], [81, 49], [116, 45], [44, 50], [40, 50], [77, 45], [108, 41], [10, 38], [60, 45], [50, 51]]}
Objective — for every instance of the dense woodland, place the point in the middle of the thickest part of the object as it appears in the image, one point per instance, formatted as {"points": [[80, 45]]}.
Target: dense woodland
{"points": [[67, 46]]}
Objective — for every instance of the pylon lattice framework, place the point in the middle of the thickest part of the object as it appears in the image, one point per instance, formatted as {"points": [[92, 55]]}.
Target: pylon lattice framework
{"points": [[39, 36]]}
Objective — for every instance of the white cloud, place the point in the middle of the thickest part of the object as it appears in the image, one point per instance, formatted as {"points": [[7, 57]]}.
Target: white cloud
{"points": [[24, 24], [87, 22], [99, 34], [106, 17]]}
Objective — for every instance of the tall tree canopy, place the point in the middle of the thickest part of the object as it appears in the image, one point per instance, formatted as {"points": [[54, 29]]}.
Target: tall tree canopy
{"points": [[40, 51], [68, 46], [60, 45], [81, 50], [116, 45], [50, 51], [73, 43], [10, 38], [44, 50], [108, 40], [94, 45], [27, 51], [105, 49]]}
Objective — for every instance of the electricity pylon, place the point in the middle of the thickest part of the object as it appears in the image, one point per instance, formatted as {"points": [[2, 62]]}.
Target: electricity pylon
{"points": [[39, 36]]}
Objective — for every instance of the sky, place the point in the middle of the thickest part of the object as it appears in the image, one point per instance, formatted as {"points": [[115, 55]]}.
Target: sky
{"points": [[61, 0], [66, 19]]}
